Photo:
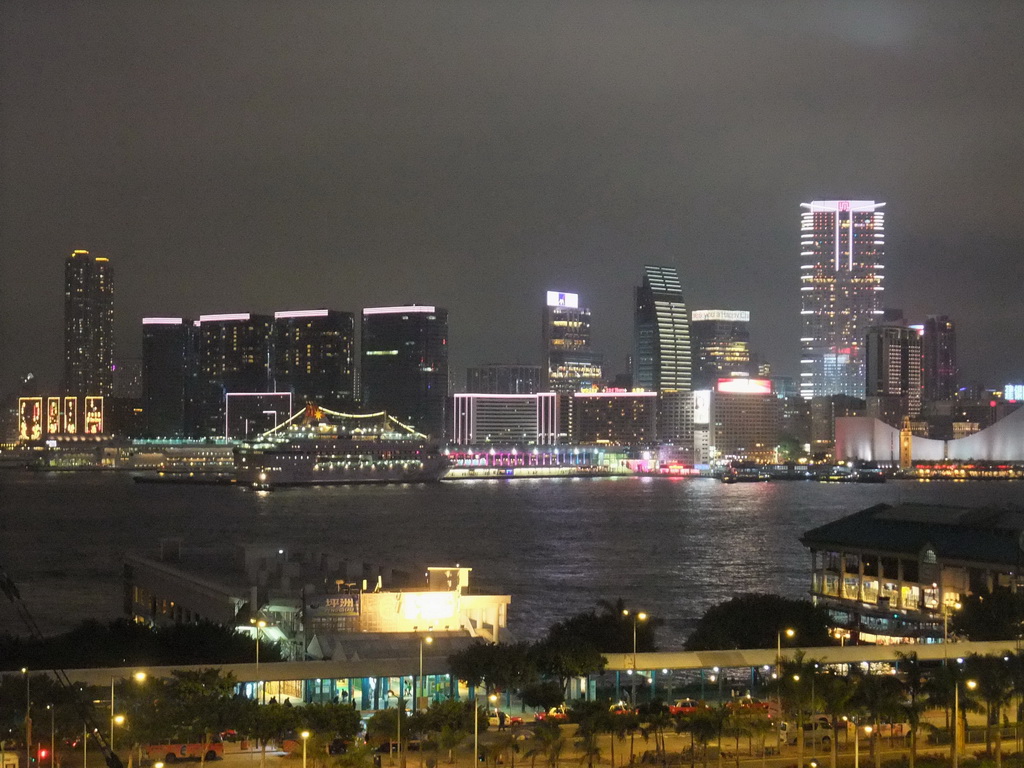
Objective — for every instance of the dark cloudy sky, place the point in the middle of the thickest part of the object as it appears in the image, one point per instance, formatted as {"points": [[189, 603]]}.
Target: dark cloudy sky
{"points": [[254, 155]]}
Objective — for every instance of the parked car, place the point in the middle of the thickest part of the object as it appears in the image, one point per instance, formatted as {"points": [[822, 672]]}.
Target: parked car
{"points": [[684, 707], [747, 703], [621, 708], [493, 719], [558, 714]]}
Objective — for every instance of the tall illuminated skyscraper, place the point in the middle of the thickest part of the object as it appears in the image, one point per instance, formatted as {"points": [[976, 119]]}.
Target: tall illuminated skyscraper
{"points": [[88, 325], [842, 246], [940, 370], [570, 364], [661, 359]]}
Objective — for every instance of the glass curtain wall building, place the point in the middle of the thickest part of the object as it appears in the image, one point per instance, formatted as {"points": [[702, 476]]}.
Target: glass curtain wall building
{"points": [[842, 246], [661, 359], [569, 362], [940, 370], [405, 365]]}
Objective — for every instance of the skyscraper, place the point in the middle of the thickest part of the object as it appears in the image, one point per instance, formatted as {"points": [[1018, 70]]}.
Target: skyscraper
{"points": [[88, 325], [405, 365], [313, 356], [234, 358], [893, 364], [168, 376], [661, 359], [842, 245], [570, 364], [940, 371], [721, 345]]}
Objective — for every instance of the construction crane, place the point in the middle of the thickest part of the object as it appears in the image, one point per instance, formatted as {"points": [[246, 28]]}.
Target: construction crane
{"points": [[8, 587]]}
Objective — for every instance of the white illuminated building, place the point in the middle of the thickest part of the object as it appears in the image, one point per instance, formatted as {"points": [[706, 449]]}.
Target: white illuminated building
{"points": [[505, 419], [842, 246]]}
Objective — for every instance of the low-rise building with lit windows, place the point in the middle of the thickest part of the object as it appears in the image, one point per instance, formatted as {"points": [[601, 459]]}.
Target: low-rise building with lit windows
{"points": [[615, 418], [894, 574]]}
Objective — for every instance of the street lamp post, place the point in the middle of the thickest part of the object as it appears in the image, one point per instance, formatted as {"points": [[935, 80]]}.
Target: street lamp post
{"points": [[641, 616], [428, 640], [856, 743], [28, 716], [790, 633], [305, 738], [138, 677], [971, 684], [261, 689], [53, 739]]}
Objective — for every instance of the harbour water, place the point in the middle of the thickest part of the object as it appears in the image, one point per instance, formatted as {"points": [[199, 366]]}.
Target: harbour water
{"points": [[669, 547]]}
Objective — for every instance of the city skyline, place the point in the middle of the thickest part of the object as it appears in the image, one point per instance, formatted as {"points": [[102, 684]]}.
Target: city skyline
{"points": [[474, 157]]}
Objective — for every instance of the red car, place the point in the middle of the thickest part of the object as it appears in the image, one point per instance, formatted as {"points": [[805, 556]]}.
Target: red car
{"points": [[684, 707], [557, 714]]}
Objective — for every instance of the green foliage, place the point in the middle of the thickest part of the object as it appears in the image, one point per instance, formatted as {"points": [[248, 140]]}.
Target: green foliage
{"points": [[993, 616], [543, 694], [125, 643], [755, 621]]}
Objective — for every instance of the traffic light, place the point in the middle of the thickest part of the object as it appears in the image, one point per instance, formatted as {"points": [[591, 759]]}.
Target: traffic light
{"points": [[43, 753]]}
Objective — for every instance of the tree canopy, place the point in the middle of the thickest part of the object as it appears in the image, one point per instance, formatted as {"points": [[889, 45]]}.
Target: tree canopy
{"points": [[755, 620]]}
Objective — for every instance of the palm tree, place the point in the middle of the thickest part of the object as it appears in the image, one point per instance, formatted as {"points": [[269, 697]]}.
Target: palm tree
{"points": [[836, 693], [703, 726], [588, 746], [995, 689], [880, 698], [913, 678]]}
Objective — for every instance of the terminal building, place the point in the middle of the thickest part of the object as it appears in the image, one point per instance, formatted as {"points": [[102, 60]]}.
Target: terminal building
{"points": [[894, 574], [314, 604], [505, 419]]}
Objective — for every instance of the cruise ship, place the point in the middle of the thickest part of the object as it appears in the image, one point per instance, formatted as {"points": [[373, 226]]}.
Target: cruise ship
{"points": [[322, 447]]}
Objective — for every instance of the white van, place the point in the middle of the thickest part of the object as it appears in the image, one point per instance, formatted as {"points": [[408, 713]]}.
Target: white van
{"points": [[817, 730]]}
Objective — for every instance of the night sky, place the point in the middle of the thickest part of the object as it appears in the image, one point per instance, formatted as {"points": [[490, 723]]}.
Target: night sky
{"points": [[259, 156]]}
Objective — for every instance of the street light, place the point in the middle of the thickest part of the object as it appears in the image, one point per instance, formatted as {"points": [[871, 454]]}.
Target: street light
{"points": [[476, 727], [28, 716], [260, 624], [53, 740], [971, 685], [305, 738], [790, 633], [428, 640], [138, 677], [641, 616], [856, 743], [398, 719], [945, 629]]}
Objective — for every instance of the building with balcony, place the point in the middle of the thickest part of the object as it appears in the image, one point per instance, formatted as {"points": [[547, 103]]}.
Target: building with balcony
{"points": [[892, 574]]}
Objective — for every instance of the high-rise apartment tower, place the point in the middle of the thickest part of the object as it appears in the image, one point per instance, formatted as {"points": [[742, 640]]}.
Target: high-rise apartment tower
{"points": [[842, 246], [88, 325], [940, 371]]}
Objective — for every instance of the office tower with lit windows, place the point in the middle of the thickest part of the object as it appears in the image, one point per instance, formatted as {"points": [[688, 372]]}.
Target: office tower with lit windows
{"points": [[721, 345], [313, 356], [570, 364], [405, 365], [940, 371], [661, 357], [842, 247], [893, 366], [234, 358], [169, 371], [88, 325]]}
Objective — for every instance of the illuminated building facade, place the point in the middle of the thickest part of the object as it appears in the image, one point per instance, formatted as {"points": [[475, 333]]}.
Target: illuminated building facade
{"points": [[893, 364], [940, 369], [721, 345], [662, 358], [314, 356], [842, 246], [505, 419], [893, 574], [615, 418], [569, 362], [503, 379], [234, 356], [169, 370], [88, 325], [738, 419], [405, 365]]}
